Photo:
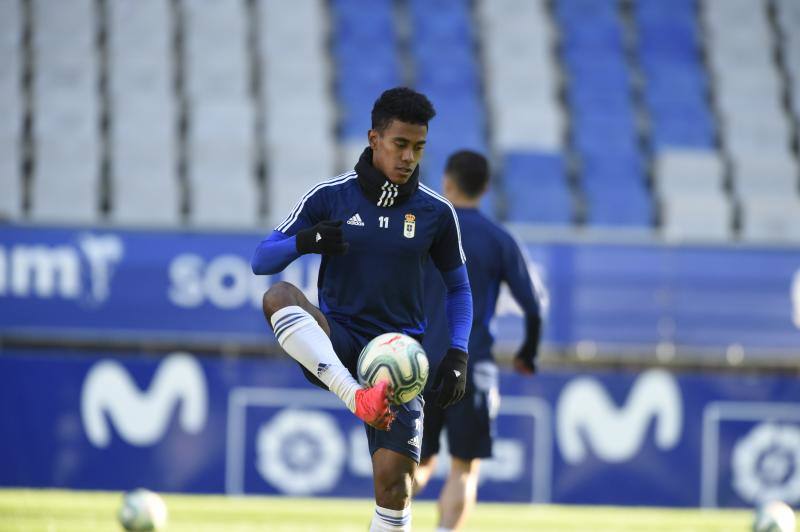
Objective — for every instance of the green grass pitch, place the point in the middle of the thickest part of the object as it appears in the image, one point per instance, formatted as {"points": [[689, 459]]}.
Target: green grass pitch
{"points": [[85, 511]]}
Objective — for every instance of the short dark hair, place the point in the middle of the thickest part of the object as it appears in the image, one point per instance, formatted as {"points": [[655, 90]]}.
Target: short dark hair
{"points": [[470, 172], [403, 104]]}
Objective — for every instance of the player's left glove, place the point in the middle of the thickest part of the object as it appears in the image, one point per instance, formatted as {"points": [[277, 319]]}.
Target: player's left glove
{"points": [[450, 381], [525, 359]]}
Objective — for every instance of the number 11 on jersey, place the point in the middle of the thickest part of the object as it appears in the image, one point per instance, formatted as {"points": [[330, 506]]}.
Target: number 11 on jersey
{"points": [[383, 222]]}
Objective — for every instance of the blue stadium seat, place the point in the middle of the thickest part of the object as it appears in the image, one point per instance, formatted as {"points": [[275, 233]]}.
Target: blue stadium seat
{"points": [[593, 37], [675, 86], [367, 63], [681, 11], [607, 71], [605, 135], [682, 132], [447, 69], [441, 21], [579, 11], [536, 189], [611, 169], [627, 205]]}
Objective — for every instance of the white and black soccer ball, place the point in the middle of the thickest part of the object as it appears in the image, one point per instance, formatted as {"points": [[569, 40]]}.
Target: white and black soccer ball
{"points": [[774, 516], [397, 358], [142, 510]]}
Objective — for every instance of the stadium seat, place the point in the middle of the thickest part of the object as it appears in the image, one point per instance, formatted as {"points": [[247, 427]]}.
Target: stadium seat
{"points": [[774, 220], [684, 173], [66, 111], [668, 50], [447, 73], [226, 204], [216, 61], [366, 61], [766, 175], [221, 157], [536, 189], [11, 109], [66, 186], [146, 193], [699, 217], [520, 76], [621, 203], [10, 180]]}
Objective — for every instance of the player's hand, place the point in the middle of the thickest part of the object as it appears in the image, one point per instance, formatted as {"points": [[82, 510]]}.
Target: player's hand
{"points": [[324, 238], [450, 381], [524, 365], [525, 360]]}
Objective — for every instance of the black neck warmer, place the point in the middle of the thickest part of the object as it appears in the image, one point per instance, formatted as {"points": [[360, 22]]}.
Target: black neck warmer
{"points": [[378, 188]]}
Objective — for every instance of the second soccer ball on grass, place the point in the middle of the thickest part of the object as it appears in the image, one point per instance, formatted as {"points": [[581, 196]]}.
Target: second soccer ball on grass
{"points": [[397, 358]]}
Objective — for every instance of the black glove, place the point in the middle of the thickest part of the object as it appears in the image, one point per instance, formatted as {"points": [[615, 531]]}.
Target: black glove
{"points": [[451, 378], [525, 360], [324, 238]]}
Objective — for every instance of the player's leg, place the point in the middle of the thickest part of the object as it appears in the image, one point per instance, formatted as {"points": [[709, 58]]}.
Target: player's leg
{"points": [[423, 473], [470, 431], [393, 475], [304, 333], [395, 455], [432, 429], [459, 494]]}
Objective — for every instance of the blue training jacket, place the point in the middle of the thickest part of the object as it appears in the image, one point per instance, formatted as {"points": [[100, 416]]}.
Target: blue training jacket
{"points": [[377, 286]]}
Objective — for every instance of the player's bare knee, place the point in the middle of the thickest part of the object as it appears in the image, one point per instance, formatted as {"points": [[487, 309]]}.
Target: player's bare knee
{"points": [[394, 494], [279, 295]]}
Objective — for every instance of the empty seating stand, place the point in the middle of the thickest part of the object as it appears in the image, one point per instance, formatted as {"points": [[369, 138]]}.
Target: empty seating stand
{"points": [[298, 107], [366, 62], [222, 129], [748, 93], [537, 187], [11, 109], [66, 113], [604, 131], [143, 124], [446, 70], [686, 179], [675, 85]]}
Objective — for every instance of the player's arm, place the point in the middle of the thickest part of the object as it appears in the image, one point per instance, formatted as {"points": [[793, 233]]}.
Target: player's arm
{"points": [[278, 250], [307, 229], [450, 381], [515, 273]]}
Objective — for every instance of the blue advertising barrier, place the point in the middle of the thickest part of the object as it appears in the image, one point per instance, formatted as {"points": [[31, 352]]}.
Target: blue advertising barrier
{"points": [[189, 424], [191, 287]]}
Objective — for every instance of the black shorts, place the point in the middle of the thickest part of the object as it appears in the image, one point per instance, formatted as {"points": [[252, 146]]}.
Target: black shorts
{"points": [[470, 422], [406, 433]]}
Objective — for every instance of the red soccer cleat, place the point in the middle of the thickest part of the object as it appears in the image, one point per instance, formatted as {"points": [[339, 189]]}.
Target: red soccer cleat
{"points": [[372, 406]]}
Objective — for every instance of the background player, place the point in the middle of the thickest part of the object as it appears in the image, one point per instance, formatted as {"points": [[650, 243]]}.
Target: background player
{"points": [[494, 256], [371, 282]]}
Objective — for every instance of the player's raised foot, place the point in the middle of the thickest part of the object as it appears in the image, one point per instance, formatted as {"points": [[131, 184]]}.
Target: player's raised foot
{"points": [[372, 405]]}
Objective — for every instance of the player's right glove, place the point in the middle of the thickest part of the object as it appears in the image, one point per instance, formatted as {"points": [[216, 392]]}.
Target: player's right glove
{"points": [[525, 360], [324, 238], [450, 381]]}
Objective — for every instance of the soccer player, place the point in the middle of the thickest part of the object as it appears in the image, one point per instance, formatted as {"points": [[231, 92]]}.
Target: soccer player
{"points": [[376, 229], [493, 257]]}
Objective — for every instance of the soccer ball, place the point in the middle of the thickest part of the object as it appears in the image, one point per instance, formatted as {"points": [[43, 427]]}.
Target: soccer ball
{"points": [[775, 516], [397, 358], [142, 510]]}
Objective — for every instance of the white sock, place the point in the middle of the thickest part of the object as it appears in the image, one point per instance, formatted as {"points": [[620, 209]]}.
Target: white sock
{"points": [[443, 529], [301, 336], [385, 520]]}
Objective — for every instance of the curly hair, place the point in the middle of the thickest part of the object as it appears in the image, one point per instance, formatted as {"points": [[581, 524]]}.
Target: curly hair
{"points": [[403, 104]]}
